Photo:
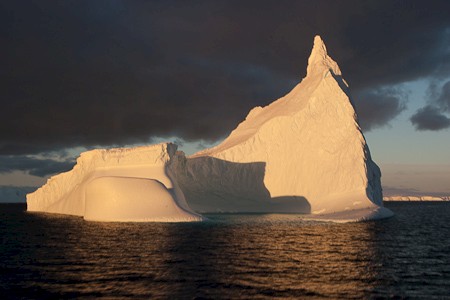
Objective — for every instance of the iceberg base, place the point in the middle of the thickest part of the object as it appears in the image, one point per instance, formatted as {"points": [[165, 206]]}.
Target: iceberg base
{"points": [[357, 215]]}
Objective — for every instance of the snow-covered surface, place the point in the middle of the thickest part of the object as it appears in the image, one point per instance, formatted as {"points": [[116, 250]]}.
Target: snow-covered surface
{"points": [[304, 152], [127, 184], [417, 198]]}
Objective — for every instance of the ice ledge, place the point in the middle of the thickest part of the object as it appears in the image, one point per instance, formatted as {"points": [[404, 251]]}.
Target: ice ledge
{"points": [[349, 216], [127, 199]]}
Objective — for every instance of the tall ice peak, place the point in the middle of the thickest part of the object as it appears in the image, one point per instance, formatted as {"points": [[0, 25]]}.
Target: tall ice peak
{"points": [[319, 61]]}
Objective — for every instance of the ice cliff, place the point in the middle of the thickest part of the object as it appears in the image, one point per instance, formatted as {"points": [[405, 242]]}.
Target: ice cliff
{"points": [[304, 152], [131, 184]]}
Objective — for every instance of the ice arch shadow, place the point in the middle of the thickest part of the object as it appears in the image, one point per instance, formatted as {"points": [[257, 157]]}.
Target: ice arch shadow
{"points": [[215, 185]]}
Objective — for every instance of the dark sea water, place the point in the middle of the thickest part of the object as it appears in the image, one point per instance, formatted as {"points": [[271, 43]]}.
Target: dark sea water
{"points": [[46, 256]]}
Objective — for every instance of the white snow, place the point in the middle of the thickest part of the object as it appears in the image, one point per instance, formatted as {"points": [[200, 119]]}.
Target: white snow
{"points": [[304, 152], [128, 184]]}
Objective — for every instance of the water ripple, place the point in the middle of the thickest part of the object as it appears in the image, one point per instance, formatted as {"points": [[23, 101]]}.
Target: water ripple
{"points": [[230, 257]]}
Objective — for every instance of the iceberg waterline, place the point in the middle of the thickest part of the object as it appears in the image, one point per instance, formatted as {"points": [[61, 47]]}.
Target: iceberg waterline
{"points": [[303, 153]]}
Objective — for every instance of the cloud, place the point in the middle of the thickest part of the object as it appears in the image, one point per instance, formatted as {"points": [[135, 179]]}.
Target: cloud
{"points": [[14, 194], [84, 73], [433, 115], [430, 118], [375, 108], [444, 98], [33, 166]]}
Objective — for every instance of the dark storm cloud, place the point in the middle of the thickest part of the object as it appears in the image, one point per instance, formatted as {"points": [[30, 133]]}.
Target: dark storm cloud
{"points": [[433, 116], [376, 107], [33, 166], [430, 118], [116, 72]]}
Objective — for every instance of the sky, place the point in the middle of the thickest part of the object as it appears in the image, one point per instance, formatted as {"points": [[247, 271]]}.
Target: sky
{"points": [[77, 75]]}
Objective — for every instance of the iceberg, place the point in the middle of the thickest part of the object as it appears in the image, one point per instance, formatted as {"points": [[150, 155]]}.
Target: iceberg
{"points": [[416, 198], [123, 184], [303, 153]]}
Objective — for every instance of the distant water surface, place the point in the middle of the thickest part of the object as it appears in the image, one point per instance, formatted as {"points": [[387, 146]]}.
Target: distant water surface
{"points": [[232, 256]]}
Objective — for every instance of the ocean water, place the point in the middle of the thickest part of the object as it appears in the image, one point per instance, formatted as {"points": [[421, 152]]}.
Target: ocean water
{"points": [[233, 256]]}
